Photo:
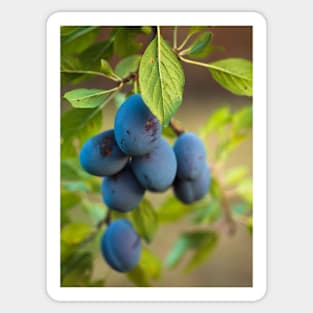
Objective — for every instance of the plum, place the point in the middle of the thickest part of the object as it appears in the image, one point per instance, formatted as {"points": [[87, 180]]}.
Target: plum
{"points": [[189, 191], [121, 246], [190, 155], [101, 156], [156, 170], [137, 130], [122, 192]]}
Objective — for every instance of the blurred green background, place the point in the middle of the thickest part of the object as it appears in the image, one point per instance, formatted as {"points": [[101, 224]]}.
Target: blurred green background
{"points": [[230, 264]]}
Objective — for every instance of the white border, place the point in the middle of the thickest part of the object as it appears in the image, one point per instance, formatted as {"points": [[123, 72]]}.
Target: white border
{"points": [[259, 157]]}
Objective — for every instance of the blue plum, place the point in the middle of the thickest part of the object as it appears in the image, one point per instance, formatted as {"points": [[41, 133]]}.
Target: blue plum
{"points": [[189, 191], [137, 130], [156, 170], [122, 192], [101, 156], [190, 155], [121, 246]]}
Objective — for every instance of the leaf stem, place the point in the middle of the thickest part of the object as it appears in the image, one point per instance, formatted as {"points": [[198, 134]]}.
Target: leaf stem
{"points": [[90, 73], [196, 62], [184, 42], [175, 37], [158, 31]]}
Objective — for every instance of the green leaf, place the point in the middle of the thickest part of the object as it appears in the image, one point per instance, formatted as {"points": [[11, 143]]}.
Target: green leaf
{"points": [[96, 211], [120, 98], [86, 98], [68, 171], [234, 74], [219, 118], [245, 190], [146, 29], [202, 253], [69, 199], [80, 123], [168, 132], [225, 148], [235, 175], [149, 267], [78, 39], [68, 150], [77, 270], [75, 233], [201, 46], [128, 65], [208, 213], [91, 57], [67, 30], [196, 29], [172, 210], [138, 277], [186, 242], [145, 220], [75, 186], [106, 68], [65, 218], [241, 208], [124, 40], [161, 80], [242, 120], [151, 264], [215, 189]]}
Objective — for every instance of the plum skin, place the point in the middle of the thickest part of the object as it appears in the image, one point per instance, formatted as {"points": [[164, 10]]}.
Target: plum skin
{"points": [[189, 191], [122, 192], [137, 130], [121, 246], [156, 170], [101, 156], [191, 156]]}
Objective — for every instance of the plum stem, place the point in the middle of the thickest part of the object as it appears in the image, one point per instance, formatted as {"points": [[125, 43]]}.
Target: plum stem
{"points": [[178, 130], [107, 219]]}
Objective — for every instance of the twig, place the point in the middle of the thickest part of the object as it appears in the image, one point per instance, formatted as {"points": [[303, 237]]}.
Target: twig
{"points": [[105, 221], [129, 77], [228, 216]]}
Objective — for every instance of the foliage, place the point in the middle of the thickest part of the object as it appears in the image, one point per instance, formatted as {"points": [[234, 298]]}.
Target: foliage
{"points": [[149, 65]]}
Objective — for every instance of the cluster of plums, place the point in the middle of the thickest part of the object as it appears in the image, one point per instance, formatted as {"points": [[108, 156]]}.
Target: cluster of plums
{"points": [[132, 158]]}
